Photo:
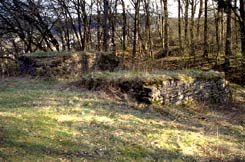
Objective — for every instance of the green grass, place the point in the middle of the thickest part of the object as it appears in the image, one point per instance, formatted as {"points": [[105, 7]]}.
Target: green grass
{"points": [[52, 53], [188, 75], [57, 53], [47, 121]]}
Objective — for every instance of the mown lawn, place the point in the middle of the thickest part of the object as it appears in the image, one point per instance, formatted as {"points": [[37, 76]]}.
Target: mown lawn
{"points": [[48, 121]]}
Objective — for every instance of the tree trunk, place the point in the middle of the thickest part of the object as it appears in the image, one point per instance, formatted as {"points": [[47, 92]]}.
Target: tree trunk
{"points": [[85, 26], [222, 31], [242, 27], [78, 12], [162, 23], [113, 14], [166, 31], [98, 25], [148, 44], [198, 20], [236, 26], [186, 23], [105, 25], [228, 39], [217, 29], [205, 51], [136, 30], [193, 10], [179, 23], [124, 29]]}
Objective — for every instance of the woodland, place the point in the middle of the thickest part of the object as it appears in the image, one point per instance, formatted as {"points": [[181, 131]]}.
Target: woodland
{"points": [[122, 80]]}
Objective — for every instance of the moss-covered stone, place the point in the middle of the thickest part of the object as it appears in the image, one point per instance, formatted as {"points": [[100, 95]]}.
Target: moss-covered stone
{"points": [[66, 64], [165, 87], [107, 61], [8, 67]]}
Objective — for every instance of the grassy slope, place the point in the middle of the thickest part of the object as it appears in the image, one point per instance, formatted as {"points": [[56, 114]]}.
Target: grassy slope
{"points": [[43, 121]]}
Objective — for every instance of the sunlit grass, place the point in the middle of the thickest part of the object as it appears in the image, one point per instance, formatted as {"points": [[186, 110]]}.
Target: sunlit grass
{"points": [[43, 121]]}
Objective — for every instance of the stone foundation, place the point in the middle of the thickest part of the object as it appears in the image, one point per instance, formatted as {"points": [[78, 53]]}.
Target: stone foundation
{"points": [[167, 89], [74, 64], [179, 92]]}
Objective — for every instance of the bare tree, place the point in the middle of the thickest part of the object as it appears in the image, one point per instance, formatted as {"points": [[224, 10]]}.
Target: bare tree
{"points": [[186, 22], [193, 10], [105, 25], [242, 26], [113, 19], [217, 18], [179, 24], [199, 18], [25, 18], [136, 4], [124, 28], [205, 37], [228, 37], [98, 24], [148, 44], [166, 27]]}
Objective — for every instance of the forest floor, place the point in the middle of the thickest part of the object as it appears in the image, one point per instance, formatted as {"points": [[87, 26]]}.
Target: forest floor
{"points": [[235, 73], [49, 121]]}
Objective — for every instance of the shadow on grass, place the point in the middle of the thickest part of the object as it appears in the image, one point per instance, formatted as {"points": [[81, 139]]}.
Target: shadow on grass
{"points": [[93, 146], [16, 138], [122, 151], [135, 152]]}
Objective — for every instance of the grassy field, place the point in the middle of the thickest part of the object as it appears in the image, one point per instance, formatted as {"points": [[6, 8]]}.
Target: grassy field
{"points": [[49, 121]]}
